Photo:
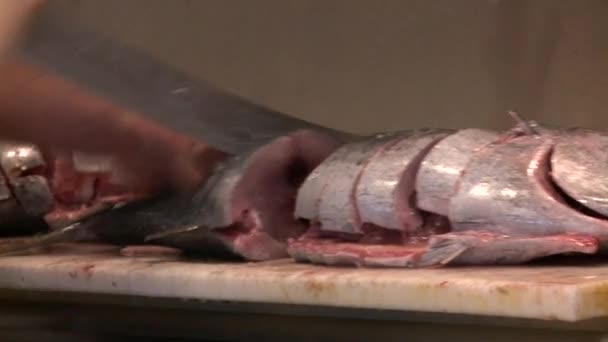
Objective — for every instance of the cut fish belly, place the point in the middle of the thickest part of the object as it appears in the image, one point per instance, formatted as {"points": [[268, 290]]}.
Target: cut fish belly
{"points": [[465, 248]]}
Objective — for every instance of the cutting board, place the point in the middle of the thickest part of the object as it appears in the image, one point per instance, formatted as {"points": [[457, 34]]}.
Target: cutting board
{"points": [[566, 293]]}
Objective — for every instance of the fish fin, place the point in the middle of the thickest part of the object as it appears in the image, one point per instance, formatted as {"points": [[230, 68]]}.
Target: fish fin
{"points": [[528, 127], [68, 233], [171, 232], [149, 250], [441, 252], [21, 245], [79, 216]]}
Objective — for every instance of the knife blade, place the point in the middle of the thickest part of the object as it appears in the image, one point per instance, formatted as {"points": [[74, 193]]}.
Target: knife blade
{"points": [[129, 77]]}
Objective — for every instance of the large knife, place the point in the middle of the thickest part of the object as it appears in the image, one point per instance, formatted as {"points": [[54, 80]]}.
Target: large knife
{"points": [[134, 79]]}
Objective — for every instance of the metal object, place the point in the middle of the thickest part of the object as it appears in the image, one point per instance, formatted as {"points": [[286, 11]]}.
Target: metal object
{"points": [[25, 194], [163, 93], [19, 163]]}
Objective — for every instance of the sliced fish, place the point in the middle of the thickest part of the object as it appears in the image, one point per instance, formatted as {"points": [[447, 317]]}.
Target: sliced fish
{"points": [[442, 167], [385, 192], [501, 201], [310, 193], [337, 206]]}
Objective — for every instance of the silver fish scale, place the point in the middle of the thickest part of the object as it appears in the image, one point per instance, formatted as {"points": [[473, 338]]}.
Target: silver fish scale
{"points": [[441, 168], [579, 162], [309, 194], [311, 190], [337, 208], [388, 174], [505, 189]]}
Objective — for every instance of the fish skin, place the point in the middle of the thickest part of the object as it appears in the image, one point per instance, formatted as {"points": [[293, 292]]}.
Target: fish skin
{"points": [[337, 207], [442, 167], [311, 190], [219, 207], [309, 195], [578, 166], [506, 189], [385, 189]]}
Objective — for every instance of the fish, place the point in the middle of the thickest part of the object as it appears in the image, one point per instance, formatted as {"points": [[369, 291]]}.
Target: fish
{"points": [[384, 193], [244, 211], [337, 208], [578, 163], [419, 198], [310, 194], [477, 197], [442, 167]]}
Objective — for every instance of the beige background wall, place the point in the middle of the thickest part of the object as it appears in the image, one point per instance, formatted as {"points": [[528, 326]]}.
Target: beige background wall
{"points": [[370, 65]]}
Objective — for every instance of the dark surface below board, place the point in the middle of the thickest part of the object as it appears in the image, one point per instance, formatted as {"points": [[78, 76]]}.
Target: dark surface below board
{"points": [[29, 316]]}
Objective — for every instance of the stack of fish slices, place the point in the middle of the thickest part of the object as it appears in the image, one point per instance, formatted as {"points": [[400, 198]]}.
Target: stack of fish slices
{"points": [[470, 196]]}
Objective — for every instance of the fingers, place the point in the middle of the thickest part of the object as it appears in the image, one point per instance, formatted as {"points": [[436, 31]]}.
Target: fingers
{"points": [[39, 107]]}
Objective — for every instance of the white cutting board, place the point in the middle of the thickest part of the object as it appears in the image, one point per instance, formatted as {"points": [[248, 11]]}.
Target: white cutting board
{"points": [[544, 292]]}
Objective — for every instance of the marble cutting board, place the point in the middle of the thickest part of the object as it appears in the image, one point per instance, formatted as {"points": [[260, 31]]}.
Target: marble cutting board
{"points": [[566, 293]]}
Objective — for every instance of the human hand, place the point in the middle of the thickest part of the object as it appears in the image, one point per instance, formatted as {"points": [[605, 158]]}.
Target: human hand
{"points": [[39, 107]]}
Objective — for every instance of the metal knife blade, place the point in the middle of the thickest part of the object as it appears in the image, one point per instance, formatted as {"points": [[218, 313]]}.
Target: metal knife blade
{"points": [[131, 78]]}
